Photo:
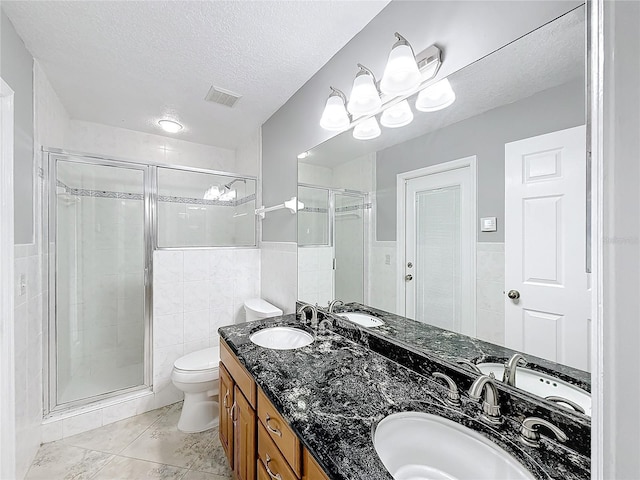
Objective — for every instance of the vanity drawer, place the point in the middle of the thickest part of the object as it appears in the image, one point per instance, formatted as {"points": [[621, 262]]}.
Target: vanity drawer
{"points": [[312, 470], [271, 458], [239, 373], [262, 472], [280, 433]]}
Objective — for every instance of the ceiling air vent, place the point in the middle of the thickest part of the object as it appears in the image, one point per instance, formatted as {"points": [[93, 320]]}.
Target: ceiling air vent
{"points": [[222, 96]]}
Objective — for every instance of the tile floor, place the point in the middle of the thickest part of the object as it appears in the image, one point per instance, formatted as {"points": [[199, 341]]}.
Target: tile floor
{"points": [[147, 446]]}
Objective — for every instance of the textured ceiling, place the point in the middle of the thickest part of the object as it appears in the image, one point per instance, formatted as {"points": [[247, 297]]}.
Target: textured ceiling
{"points": [[129, 63], [548, 57]]}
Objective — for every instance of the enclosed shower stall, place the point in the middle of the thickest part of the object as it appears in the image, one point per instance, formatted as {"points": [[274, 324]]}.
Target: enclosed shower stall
{"points": [[332, 244], [104, 219]]}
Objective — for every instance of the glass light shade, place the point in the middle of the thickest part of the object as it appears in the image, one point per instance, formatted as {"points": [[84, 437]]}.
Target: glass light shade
{"points": [[212, 193], [401, 75], [364, 99], [335, 116], [367, 130], [228, 196], [397, 116], [170, 126], [436, 97]]}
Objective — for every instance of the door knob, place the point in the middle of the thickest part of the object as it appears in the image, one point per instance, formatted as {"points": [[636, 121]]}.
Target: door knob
{"points": [[408, 278], [513, 294]]}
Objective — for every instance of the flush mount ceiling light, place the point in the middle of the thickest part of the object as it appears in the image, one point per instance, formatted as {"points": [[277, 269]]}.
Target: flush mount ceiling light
{"points": [[367, 130], [170, 126], [401, 75], [335, 116], [397, 116], [436, 97], [365, 97]]}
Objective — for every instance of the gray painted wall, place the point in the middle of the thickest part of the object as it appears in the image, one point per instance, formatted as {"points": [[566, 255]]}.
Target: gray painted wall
{"points": [[484, 136], [465, 30], [621, 276], [16, 68]]}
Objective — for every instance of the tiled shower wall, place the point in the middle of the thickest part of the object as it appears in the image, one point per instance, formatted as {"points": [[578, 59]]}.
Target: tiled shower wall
{"points": [[195, 293], [315, 275]]}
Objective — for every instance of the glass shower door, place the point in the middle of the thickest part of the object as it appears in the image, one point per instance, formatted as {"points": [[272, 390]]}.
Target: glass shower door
{"points": [[100, 253], [349, 245]]}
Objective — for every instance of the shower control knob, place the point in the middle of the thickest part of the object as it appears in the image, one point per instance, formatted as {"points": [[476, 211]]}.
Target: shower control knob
{"points": [[408, 278], [513, 294]]}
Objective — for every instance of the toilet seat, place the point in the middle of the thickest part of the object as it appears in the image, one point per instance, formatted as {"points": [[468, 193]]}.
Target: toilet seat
{"points": [[200, 361]]}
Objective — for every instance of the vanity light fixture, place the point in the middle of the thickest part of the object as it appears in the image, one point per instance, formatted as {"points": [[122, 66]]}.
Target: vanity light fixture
{"points": [[397, 116], [401, 75], [335, 116], [367, 130], [303, 155], [170, 126], [365, 96], [436, 97]]}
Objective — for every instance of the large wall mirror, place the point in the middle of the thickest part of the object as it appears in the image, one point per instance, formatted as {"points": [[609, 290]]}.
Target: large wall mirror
{"points": [[472, 218]]}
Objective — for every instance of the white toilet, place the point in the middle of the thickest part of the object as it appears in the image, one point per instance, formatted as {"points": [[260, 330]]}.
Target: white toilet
{"points": [[196, 374], [257, 308]]}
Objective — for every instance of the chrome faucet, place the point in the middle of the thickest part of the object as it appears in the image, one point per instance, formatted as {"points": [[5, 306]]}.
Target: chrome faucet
{"points": [[484, 387], [530, 436], [334, 303], [509, 375], [314, 313]]}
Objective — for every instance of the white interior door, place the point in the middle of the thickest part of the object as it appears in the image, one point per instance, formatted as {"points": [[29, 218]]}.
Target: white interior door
{"points": [[545, 247], [439, 260]]}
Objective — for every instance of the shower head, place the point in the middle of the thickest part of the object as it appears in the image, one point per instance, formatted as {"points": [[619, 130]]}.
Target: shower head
{"points": [[228, 185]]}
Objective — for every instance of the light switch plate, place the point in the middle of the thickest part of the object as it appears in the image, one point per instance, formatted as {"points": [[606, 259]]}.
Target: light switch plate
{"points": [[488, 224]]}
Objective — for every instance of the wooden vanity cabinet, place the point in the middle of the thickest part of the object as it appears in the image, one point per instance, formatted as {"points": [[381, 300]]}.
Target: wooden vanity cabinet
{"points": [[237, 405], [254, 436]]}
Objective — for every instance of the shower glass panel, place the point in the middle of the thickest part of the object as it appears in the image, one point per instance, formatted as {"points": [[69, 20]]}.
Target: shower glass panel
{"points": [[349, 241], [99, 251], [197, 209], [313, 220], [438, 257]]}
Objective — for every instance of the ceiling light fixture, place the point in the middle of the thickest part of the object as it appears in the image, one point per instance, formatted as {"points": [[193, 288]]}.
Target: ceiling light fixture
{"points": [[436, 97], [401, 75], [397, 116], [170, 126], [365, 96], [335, 116], [303, 155], [367, 130]]}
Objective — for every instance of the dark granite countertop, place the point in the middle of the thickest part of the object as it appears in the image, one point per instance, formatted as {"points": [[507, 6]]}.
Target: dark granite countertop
{"points": [[453, 346], [334, 391]]}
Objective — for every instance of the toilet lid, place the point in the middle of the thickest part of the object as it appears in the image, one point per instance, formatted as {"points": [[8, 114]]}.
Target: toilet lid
{"points": [[205, 359]]}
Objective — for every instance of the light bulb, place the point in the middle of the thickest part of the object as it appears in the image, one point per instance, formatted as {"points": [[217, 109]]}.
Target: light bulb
{"points": [[364, 99], [170, 126], [436, 97], [397, 116], [401, 75], [335, 116], [367, 130]]}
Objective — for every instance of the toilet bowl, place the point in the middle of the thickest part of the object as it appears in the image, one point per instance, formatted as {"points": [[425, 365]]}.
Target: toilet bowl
{"points": [[257, 308], [196, 374]]}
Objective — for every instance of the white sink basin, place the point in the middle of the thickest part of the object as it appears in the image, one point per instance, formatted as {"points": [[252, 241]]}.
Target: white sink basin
{"points": [[281, 338], [542, 385], [362, 319], [421, 446]]}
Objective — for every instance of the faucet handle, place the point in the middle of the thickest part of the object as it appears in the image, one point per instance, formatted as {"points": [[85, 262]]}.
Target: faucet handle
{"points": [[566, 401], [469, 364], [530, 436], [453, 396]]}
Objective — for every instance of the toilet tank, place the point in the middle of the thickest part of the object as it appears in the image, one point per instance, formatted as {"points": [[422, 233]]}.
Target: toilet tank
{"points": [[257, 308]]}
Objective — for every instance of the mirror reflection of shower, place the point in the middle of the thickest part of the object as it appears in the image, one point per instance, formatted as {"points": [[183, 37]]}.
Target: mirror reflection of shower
{"points": [[332, 236], [224, 192]]}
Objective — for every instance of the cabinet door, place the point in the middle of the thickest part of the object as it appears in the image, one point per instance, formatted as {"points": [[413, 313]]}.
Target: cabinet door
{"points": [[312, 470], [244, 438], [226, 399]]}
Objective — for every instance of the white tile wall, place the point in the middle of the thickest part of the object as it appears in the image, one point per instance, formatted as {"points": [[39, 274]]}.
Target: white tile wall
{"points": [[315, 275], [489, 292], [195, 293], [279, 274]]}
